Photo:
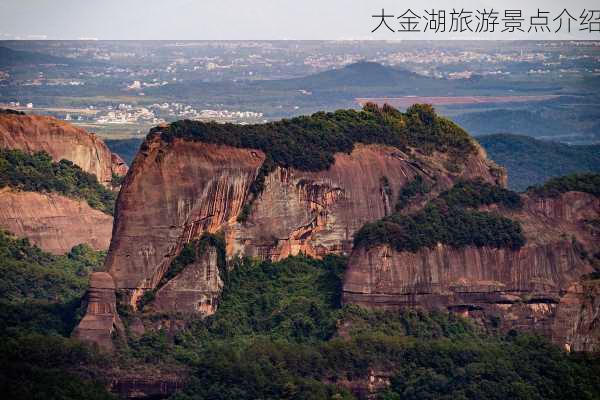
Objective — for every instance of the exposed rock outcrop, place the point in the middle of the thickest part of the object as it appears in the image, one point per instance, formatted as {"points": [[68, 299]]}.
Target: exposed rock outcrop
{"points": [[32, 133], [101, 321], [172, 194], [178, 190], [53, 222], [577, 322], [521, 289], [196, 289]]}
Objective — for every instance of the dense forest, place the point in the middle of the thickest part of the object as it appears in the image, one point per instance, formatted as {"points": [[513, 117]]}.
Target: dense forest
{"points": [[451, 219], [40, 304], [280, 332], [38, 173], [310, 142], [277, 335]]}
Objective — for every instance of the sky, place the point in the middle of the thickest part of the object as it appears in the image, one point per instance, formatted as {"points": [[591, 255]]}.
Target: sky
{"points": [[248, 19]]}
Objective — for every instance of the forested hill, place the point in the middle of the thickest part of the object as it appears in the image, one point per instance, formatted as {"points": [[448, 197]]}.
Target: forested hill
{"points": [[530, 161], [10, 57]]}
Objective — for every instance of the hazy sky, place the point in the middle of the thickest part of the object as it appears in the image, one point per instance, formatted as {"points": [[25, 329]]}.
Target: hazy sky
{"points": [[239, 19]]}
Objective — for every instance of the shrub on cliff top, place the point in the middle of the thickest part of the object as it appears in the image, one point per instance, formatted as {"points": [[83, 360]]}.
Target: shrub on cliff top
{"points": [[38, 173], [310, 142], [476, 193], [450, 219]]}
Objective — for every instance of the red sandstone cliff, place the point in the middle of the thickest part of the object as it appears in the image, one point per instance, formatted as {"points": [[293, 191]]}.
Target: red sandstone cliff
{"points": [[180, 189], [525, 289], [61, 140], [176, 191], [53, 222]]}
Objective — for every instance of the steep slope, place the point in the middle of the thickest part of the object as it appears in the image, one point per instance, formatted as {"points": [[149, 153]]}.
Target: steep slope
{"points": [[520, 287], [274, 190], [532, 162], [59, 204], [34, 133], [55, 205]]}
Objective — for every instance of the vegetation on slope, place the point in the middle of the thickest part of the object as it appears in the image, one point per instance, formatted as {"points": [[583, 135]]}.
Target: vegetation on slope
{"points": [[451, 219], [40, 304], [531, 162], [310, 142], [38, 173], [10, 112], [275, 336], [28, 273], [414, 188], [585, 182]]}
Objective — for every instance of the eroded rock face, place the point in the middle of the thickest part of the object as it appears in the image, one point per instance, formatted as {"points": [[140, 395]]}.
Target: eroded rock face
{"points": [[177, 191], [32, 133], [577, 322], [318, 212], [172, 195], [523, 289], [53, 222], [195, 290], [101, 320]]}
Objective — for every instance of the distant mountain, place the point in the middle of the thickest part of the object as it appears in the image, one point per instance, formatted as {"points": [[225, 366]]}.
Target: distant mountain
{"points": [[361, 74], [12, 58], [336, 89], [530, 161]]}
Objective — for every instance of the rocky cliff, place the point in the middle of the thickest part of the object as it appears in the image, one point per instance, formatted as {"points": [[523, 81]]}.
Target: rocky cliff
{"points": [[191, 179], [178, 190], [577, 322], [61, 140], [53, 222], [533, 288]]}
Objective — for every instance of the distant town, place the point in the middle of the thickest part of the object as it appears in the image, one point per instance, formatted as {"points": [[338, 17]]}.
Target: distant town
{"points": [[121, 89]]}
